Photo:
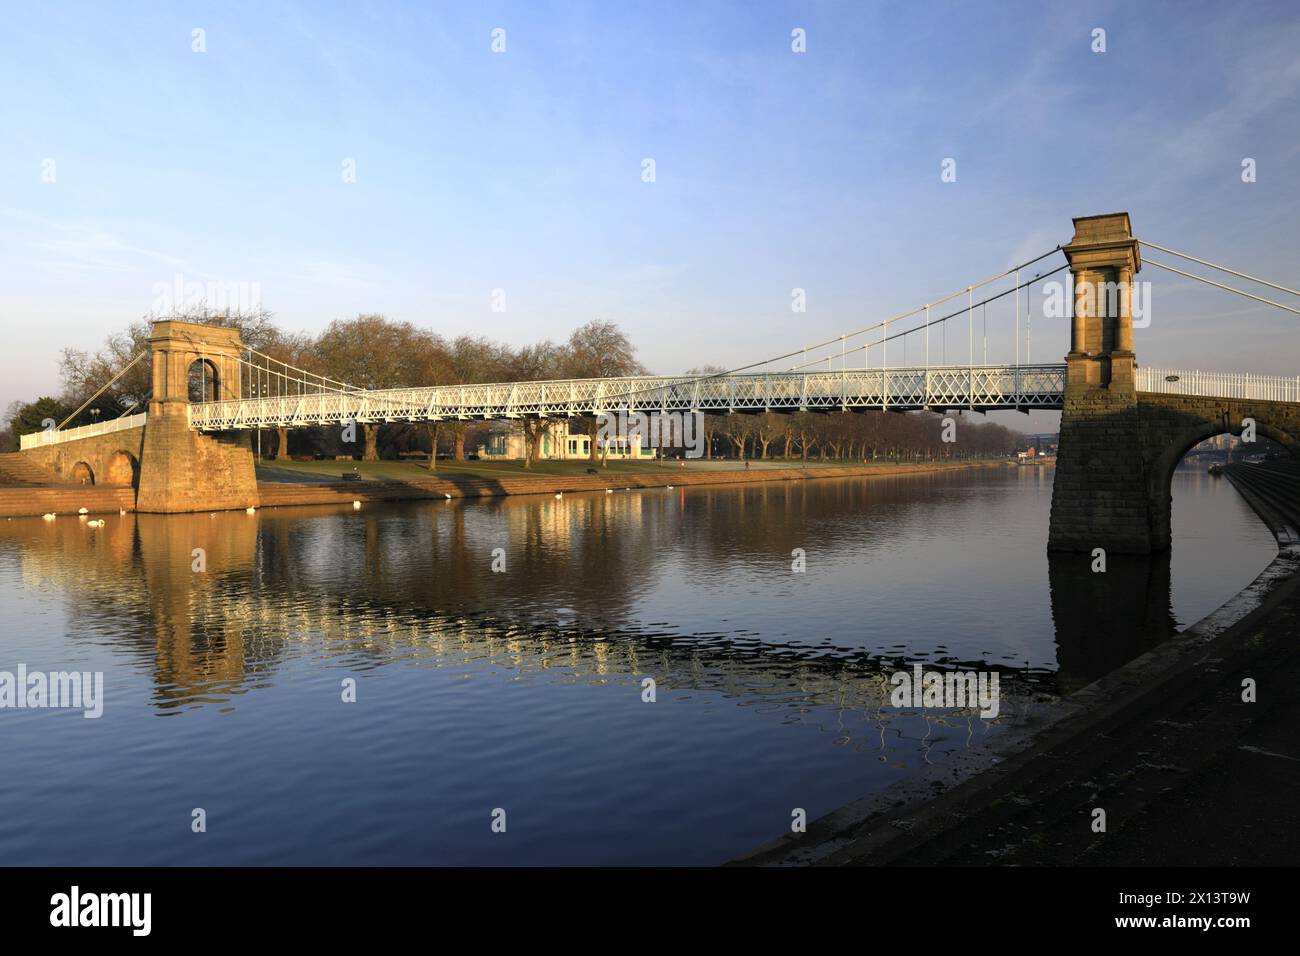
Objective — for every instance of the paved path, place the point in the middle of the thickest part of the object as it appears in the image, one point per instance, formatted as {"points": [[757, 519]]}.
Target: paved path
{"points": [[1200, 778]]}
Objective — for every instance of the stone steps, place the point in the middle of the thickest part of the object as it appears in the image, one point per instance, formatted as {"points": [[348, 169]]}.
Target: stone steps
{"points": [[19, 469], [64, 500], [1277, 484]]}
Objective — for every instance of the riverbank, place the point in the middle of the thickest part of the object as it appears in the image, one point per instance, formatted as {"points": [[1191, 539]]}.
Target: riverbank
{"points": [[22, 501], [1187, 772], [417, 487], [398, 481]]}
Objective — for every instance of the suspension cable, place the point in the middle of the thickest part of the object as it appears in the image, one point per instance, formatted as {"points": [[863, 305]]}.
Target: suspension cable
{"points": [[1214, 265], [1248, 295], [291, 368], [687, 380], [916, 311], [126, 368], [944, 319]]}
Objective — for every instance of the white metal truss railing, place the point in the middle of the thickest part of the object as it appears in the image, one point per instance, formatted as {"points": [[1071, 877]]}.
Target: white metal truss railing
{"points": [[981, 387], [1271, 388], [53, 437]]}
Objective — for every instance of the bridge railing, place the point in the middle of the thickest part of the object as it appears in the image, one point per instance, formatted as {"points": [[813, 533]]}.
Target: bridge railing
{"points": [[1272, 388], [980, 387], [54, 437]]}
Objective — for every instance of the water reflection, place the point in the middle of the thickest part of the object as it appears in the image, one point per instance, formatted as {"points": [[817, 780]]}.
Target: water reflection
{"points": [[595, 583], [1104, 620], [419, 591], [523, 688]]}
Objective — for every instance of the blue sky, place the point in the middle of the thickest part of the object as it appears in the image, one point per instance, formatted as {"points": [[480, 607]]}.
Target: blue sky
{"points": [[522, 170]]}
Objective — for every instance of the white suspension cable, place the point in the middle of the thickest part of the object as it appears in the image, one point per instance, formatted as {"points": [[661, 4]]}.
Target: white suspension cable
{"points": [[1220, 285], [342, 386], [1214, 265], [867, 346], [879, 325], [126, 368]]}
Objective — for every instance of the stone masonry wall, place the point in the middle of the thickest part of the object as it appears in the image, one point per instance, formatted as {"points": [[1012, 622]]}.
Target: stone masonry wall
{"points": [[183, 470], [97, 452], [1118, 454], [1169, 425], [1099, 496]]}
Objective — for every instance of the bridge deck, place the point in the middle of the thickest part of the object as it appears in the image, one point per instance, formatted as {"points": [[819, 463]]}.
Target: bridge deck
{"points": [[983, 388]]}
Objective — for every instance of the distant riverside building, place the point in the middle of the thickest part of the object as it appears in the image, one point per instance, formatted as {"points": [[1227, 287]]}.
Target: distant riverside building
{"points": [[1044, 444], [506, 441]]}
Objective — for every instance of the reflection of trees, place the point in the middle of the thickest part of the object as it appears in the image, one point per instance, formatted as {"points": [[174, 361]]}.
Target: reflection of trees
{"points": [[133, 578], [413, 585]]}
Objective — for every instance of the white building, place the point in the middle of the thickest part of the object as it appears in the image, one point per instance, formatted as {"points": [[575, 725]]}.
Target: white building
{"points": [[505, 441]]}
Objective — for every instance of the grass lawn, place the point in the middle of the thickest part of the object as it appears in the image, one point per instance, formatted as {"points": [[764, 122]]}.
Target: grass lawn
{"points": [[398, 470]]}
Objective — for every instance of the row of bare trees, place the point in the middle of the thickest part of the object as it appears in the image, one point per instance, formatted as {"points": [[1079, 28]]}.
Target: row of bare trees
{"points": [[368, 351], [374, 352], [856, 437]]}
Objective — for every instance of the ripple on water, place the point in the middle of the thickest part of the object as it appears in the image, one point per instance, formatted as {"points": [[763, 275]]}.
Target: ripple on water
{"points": [[524, 691]]}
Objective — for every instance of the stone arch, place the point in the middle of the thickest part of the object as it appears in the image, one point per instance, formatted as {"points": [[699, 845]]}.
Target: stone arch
{"points": [[1179, 442], [203, 380], [82, 474], [122, 469]]}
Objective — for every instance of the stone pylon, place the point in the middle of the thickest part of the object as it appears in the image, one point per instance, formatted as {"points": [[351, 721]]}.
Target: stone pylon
{"points": [[181, 469], [1099, 496]]}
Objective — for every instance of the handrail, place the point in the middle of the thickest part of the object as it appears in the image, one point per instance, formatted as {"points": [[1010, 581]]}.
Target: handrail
{"points": [[56, 437], [967, 386], [1273, 388]]}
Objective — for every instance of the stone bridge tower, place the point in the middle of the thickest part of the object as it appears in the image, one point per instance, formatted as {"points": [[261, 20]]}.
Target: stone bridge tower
{"points": [[181, 469], [1100, 496]]}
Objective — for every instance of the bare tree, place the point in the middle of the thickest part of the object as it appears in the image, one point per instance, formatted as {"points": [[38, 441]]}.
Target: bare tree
{"points": [[599, 350], [372, 351], [530, 364]]}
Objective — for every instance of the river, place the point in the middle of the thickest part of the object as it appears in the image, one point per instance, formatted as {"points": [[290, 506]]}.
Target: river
{"points": [[517, 695]]}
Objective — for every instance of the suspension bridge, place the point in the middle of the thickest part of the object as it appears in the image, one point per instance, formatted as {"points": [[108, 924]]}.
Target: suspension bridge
{"points": [[1123, 429]]}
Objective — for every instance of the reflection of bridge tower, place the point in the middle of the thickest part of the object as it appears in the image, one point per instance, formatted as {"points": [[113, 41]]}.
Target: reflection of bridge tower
{"points": [[1099, 496], [181, 469], [199, 641]]}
